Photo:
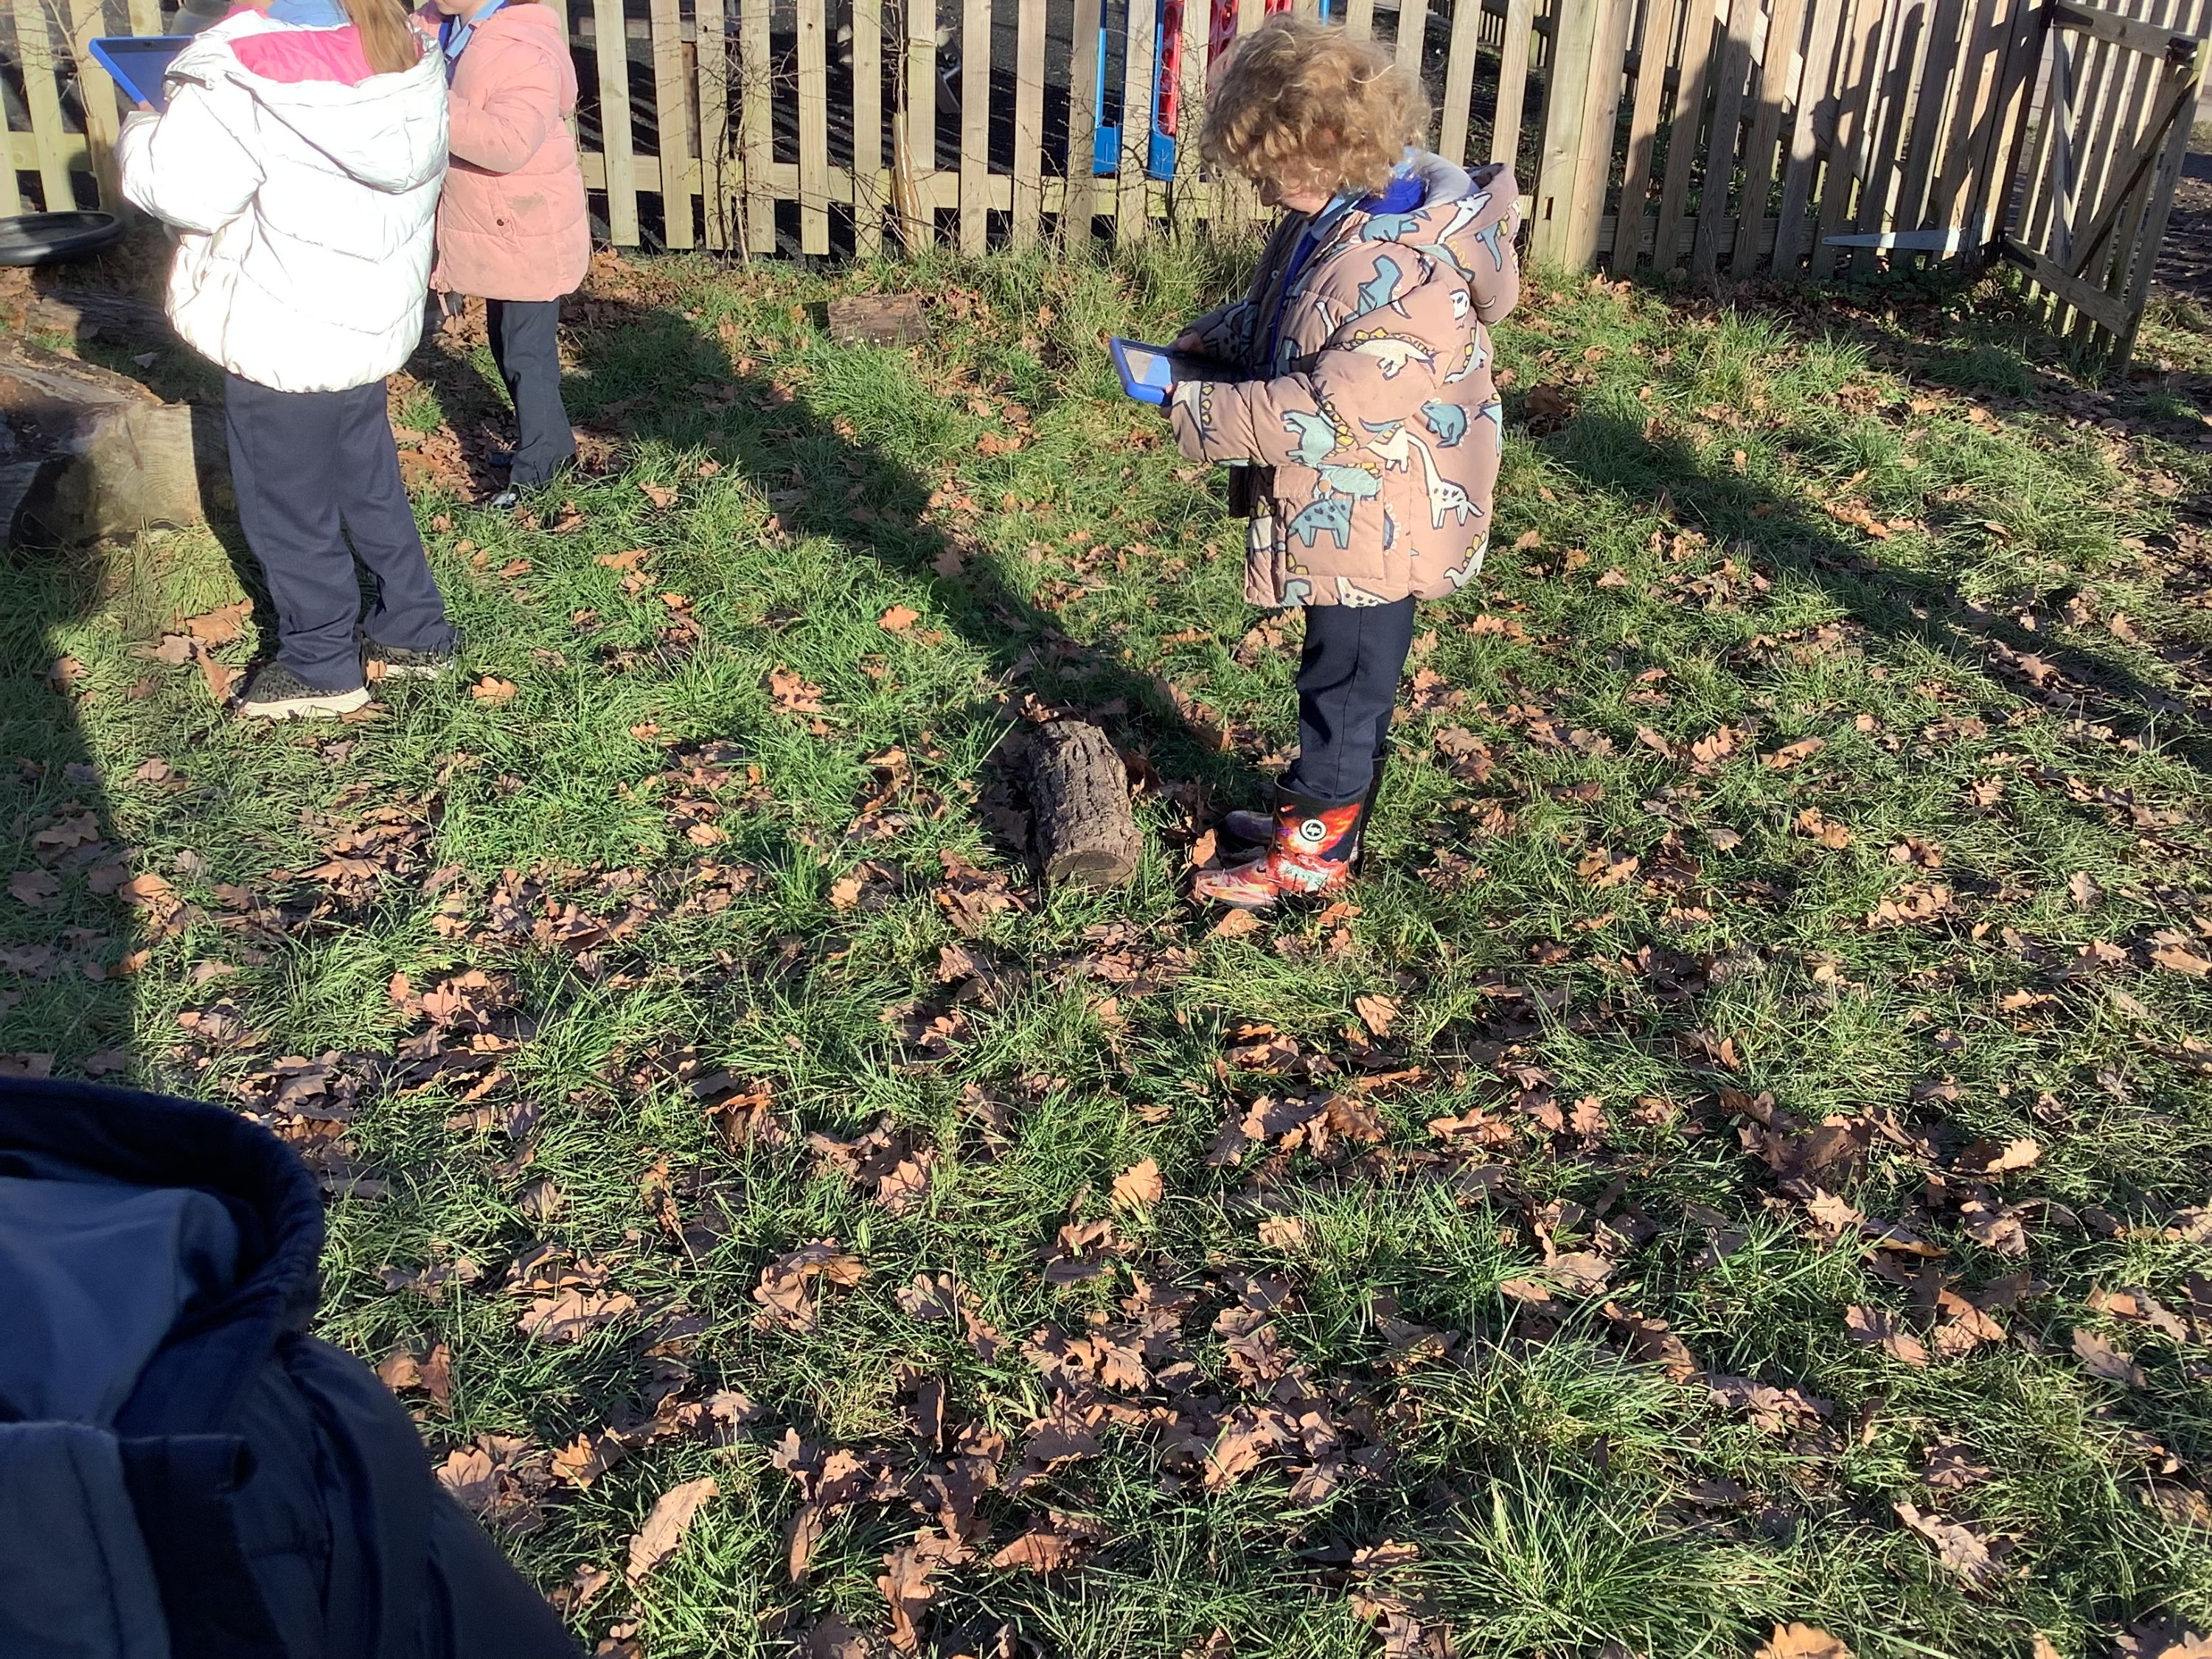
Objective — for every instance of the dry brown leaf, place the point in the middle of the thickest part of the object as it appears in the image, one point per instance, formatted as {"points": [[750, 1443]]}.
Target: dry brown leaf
{"points": [[791, 693], [2101, 1359], [1877, 1327], [2176, 959], [1375, 1013], [1139, 1187], [664, 1528], [471, 1477], [1801, 1642], [492, 690], [1962, 1551], [898, 619], [572, 1315], [1283, 1232], [906, 1587]]}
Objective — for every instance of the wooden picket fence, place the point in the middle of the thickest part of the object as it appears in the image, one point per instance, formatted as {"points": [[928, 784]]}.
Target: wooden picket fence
{"points": [[1735, 137]]}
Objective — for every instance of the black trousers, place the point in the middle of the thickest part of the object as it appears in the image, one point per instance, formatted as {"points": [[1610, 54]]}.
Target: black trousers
{"points": [[312, 470], [525, 343], [1347, 685]]}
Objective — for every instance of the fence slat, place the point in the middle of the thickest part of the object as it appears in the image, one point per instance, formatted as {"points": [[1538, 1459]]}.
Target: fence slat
{"points": [[1131, 190], [1028, 122], [1359, 19], [1643, 129], [2118, 109], [1414, 32], [1816, 103], [715, 169], [1976, 77], [103, 120], [1999, 165], [1730, 81], [1593, 163], [1856, 66], [1934, 86], [868, 194], [917, 127], [1777, 88], [1459, 81], [1698, 44], [2160, 208], [756, 131], [672, 108], [1082, 198], [611, 44], [146, 17], [34, 49], [1513, 86], [813, 129], [975, 125]]}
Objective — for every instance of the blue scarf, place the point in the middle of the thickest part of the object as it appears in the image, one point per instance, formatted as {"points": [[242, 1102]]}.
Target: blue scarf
{"points": [[309, 14]]}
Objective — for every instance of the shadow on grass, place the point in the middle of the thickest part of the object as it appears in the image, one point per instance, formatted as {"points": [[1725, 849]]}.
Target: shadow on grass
{"points": [[1613, 455], [820, 482], [65, 1006]]}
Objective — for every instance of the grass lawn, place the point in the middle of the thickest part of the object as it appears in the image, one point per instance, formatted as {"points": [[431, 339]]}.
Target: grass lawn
{"points": [[1742, 1157]]}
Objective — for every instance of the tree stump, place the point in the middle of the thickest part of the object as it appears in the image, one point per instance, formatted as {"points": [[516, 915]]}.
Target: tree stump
{"points": [[86, 453], [1079, 812]]}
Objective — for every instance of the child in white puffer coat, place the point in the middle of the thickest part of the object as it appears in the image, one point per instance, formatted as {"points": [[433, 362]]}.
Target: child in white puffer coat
{"points": [[300, 157]]}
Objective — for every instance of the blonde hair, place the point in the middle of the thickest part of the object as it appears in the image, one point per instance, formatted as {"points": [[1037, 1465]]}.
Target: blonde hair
{"points": [[1305, 106], [388, 40]]}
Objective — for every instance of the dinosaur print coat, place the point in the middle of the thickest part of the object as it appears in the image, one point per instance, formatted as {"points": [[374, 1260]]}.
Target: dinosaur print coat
{"points": [[1371, 418]]}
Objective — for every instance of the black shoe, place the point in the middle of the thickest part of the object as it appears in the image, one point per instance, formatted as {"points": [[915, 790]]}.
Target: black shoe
{"points": [[402, 663], [276, 693]]}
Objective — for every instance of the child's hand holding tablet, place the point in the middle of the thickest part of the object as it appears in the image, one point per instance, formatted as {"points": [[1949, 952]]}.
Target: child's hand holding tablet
{"points": [[1149, 372]]}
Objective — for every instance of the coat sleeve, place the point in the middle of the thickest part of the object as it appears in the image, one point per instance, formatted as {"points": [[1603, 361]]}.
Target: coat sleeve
{"points": [[185, 166], [503, 105], [1495, 282], [1378, 366]]}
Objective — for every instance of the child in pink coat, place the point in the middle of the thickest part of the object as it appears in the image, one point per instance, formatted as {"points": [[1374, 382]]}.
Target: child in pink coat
{"points": [[512, 226]]}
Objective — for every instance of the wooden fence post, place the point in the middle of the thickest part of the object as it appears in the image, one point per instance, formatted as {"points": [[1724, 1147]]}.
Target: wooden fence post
{"points": [[1580, 25], [1080, 204], [1132, 187], [813, 129], [1029, 123], [672, 109], [868, 128], [755, 132], [917, 125]]}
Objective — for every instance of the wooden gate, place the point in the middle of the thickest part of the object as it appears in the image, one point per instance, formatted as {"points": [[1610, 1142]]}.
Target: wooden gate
{"points": [[2095, 161]]}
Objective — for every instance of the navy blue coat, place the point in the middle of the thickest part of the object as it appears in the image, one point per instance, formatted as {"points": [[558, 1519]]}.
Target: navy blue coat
{"points": [[185, 1472]]}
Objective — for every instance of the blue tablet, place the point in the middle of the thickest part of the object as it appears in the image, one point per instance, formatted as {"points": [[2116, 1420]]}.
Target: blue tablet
{"points": [[138, 62], [1149, 371]]}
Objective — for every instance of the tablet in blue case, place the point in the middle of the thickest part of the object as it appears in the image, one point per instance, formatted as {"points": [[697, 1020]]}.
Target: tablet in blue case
{"points": [[1148, 371], [138, 62]]}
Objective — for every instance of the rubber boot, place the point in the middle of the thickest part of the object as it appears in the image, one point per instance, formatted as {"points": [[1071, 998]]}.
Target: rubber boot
{"points": [[1310, 852]]}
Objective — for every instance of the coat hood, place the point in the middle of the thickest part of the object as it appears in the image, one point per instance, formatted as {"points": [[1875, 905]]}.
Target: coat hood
{"points": [[1464, 219], [526, 20], [387, 132]]}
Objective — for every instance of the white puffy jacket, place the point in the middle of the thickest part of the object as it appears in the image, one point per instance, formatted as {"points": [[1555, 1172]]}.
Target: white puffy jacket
{"points": [[308, 209]]}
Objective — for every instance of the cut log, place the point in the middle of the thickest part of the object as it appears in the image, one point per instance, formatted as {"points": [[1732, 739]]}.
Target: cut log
{"points": [[878, 320], [85, 453], [1079, 807]]}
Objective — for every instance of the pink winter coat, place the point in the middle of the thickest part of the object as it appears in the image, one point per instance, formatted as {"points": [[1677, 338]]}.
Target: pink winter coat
{"points": [[512, 225]]}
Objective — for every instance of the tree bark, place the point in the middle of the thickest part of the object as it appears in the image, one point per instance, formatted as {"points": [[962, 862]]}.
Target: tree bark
{"points": [[1080, 820], [85, 453]]}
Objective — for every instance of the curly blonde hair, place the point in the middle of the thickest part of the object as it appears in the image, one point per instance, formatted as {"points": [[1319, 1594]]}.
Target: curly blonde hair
{"points": [[1303, 106]]}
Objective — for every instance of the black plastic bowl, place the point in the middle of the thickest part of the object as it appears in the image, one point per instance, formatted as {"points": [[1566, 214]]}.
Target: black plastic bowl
{"points": [[45, 239]]}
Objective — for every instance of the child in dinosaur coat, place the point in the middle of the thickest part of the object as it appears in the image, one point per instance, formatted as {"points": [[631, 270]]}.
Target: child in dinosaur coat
{"points": [[1364, 414]]}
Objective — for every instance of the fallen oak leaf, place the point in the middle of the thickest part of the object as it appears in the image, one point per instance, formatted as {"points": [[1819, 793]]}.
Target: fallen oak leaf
{"points": [[1877, 1327], [1960, 1549], [898, 619], [492, 690], [2101, 1359], [905, 1582], [1801, 1642], [664, 1528], [1139, 1187], [572, 1315]]}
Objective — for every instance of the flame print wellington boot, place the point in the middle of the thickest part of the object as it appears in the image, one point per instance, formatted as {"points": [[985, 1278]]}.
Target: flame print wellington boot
{"points": [[1311, 852], [1246, 829]]}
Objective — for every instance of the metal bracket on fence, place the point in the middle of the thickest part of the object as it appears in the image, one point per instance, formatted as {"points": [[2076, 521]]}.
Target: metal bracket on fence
{"points": [[1956, 238]]}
